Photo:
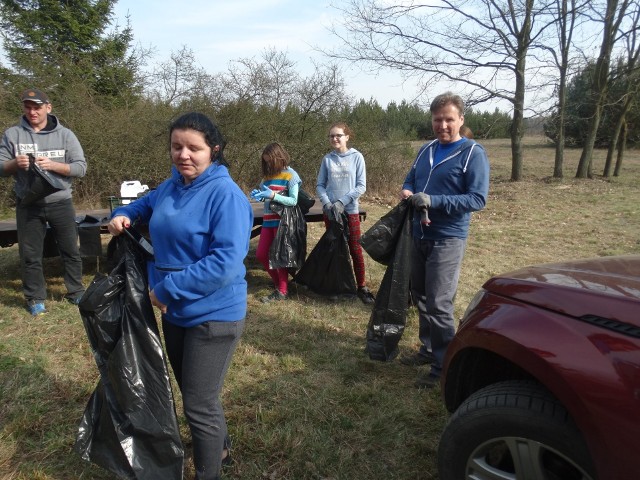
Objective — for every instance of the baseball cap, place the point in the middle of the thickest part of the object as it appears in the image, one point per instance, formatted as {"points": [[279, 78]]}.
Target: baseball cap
{"points": [[35, 95]]}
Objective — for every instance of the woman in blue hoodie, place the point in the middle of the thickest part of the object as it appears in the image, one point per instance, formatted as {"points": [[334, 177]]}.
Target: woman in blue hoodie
{"points": [[200, 226]]}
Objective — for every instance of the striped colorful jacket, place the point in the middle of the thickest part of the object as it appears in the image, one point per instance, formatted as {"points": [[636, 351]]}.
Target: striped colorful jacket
{"points": [[285, 185]]}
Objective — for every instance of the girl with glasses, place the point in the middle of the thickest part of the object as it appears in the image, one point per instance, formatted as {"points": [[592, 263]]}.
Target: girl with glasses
{"points": [[342, 179]]}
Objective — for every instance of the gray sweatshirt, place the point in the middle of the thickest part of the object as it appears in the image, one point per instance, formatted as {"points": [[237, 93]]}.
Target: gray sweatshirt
{"points": [[59, 144], [343, 177]]}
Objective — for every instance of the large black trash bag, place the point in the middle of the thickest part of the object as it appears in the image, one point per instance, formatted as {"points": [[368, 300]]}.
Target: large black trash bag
{"points": [[289, 247], [41, 183], [380, 240], [389, 242], [129, 426], [328, 270]]}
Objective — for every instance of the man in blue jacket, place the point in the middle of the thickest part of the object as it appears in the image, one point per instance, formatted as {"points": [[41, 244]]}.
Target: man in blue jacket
{"points": [[448, 180]]}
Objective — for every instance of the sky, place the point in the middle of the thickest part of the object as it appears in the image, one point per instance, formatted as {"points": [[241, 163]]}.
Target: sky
{"points": [[220, 31]]}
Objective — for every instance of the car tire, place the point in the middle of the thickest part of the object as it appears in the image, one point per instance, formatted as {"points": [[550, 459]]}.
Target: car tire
{"points": [[513, 430]]}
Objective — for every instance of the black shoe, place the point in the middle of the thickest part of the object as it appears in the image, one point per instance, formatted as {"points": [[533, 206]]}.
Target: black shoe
{"points": [[274, 296], [227, 461], [416, 359], [427, 381], [74, 299], [365, 295]]}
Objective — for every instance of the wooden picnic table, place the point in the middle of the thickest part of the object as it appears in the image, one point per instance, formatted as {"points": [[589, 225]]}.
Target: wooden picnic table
{"points": [[92, 223]]}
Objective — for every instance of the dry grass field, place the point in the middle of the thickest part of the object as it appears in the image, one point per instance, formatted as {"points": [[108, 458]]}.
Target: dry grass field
{"points": [[302, 399]]}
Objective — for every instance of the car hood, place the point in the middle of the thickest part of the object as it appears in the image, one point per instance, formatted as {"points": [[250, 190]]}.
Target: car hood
{"points": [[606, 287]]}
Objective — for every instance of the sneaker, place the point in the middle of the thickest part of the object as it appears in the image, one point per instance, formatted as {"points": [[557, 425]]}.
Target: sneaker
{"points": [[416, 359], [274, 296], [427, 381], [36, 308], [365, 295]]}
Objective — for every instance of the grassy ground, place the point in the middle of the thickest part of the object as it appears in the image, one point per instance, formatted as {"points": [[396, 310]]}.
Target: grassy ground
{"points": [[302, 399]]}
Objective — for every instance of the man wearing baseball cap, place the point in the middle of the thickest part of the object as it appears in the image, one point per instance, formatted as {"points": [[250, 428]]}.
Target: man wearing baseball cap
{"points": [[56, 151]]}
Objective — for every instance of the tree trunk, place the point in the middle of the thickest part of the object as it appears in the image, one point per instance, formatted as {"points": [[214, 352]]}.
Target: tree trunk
{"points": [[599, 86], [616, 135], [517, 130], [622, 146], [517, 127], [566, 23], [584, 165], [559, 160]]}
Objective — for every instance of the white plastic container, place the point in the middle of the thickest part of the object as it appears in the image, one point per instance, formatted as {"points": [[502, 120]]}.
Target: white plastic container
{"points": [[130, 190]]}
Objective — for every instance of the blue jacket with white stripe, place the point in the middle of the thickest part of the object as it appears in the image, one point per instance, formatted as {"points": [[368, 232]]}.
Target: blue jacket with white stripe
{"points": [[457, 185]]}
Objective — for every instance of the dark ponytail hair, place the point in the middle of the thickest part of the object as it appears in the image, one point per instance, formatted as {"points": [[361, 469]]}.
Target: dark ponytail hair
{"points": [[201, 123]]}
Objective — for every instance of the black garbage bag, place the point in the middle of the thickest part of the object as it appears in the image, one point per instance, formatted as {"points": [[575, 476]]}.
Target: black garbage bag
{"points": [[380, 240], [305, 201], [41, 183], [289, 247], [129, 426], [328, 270], [389, 242]]}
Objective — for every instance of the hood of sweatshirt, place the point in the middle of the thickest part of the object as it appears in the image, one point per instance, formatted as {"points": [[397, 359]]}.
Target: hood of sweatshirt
{"points": [[213, 172]]}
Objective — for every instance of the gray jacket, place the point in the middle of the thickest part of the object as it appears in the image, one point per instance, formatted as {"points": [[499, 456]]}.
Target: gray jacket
{"points": [[59, 144]]}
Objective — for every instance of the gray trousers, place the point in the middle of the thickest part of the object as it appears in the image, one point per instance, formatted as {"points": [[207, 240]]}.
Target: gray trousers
{"points": [[435, 273], [200, 357], [31, 222]]}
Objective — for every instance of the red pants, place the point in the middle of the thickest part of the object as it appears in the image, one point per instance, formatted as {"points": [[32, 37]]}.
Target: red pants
{"points": [[280, 276]]}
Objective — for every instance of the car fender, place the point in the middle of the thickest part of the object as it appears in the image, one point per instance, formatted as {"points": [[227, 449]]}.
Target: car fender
{"points": [[552, 349]]}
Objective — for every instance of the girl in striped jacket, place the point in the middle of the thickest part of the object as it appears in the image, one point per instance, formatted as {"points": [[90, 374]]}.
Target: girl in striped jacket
{"points": [[280, 184]]}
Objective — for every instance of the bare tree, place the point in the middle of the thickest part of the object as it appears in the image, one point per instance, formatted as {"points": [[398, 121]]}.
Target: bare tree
{"points": [[178, 78], [480, 44], [316, 95], [629, 76], [269, 80], [565, 13], [611, 18], [267, 100]]}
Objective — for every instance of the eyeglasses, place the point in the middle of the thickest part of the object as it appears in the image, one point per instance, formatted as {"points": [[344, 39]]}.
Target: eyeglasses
{"points": [[337, 135]]}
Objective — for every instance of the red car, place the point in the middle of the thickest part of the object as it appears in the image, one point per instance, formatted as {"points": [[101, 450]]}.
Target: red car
{"points": [[543, 376]]}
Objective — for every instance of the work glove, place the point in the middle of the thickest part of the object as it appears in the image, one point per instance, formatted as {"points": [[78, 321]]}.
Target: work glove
{"points": [[265, 193], [326, 208], [337, 208], [421, 202]]}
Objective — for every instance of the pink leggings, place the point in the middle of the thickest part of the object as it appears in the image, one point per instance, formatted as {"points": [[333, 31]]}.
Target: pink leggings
{"points": [[280, 276]]}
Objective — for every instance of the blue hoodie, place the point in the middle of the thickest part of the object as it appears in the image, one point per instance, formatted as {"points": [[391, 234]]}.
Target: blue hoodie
{"points": [[457, 186], [343, 177], [200, 234]]}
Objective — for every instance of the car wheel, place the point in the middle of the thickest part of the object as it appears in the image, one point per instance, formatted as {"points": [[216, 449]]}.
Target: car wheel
{"points": [[513, 430]]}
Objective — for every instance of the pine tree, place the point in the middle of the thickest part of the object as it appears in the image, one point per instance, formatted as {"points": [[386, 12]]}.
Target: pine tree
{"points": [[66, 42]]}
